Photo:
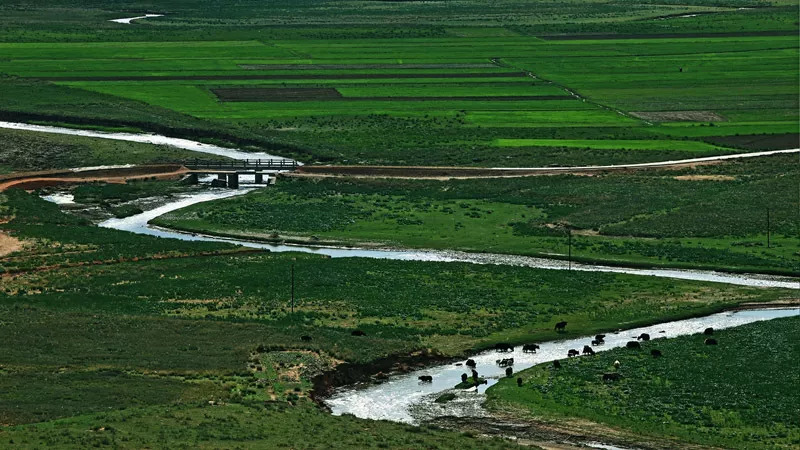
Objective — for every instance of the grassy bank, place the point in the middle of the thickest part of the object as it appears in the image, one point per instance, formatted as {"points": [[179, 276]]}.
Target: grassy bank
{"points": [[738, 394], [708, 217], [157, 339]]}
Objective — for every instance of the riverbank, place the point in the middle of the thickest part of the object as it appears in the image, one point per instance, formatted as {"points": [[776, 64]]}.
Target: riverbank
{"points": [[699, 401]]}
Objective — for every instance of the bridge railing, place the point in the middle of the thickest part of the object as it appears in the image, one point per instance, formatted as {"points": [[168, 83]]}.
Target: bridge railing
{"points": [[241, 164]]}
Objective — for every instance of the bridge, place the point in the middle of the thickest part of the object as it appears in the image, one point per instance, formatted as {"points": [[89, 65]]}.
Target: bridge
{"points": [[228, 171]]}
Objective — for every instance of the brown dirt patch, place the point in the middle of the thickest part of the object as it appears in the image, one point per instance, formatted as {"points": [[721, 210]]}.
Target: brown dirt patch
{"points": [[331, 94], [679, 116], [705, 177], [9, 244]]}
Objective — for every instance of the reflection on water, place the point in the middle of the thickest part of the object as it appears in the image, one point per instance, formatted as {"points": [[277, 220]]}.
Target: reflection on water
{"points": [[404, 399]]}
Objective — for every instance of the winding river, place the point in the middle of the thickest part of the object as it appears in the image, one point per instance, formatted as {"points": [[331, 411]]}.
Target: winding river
{"points": [[145, 138], [403, 398], [139, 224]]}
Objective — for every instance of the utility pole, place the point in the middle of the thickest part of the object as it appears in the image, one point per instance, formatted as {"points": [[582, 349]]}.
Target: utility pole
{"points": [[569, 251], [292, 288], [767, 227]]}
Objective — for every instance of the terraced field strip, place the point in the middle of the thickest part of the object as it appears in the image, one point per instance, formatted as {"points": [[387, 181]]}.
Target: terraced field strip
{"points": [[330, 94]]}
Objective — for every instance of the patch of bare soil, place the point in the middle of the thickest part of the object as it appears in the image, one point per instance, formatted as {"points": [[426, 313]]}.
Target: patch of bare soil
{"points": [[9, 244], [705, 177], [679, 116]]}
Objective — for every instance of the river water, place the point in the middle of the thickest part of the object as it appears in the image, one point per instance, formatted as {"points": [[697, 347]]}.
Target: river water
{"points": [[403, 398], [146, 138], [139, 224]]}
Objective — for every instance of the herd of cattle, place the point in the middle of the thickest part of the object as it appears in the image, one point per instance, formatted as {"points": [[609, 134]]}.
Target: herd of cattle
{"points": [[504, 347]]}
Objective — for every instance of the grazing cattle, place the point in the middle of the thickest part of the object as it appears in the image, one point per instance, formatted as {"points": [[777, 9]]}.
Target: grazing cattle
{"points": [[464, 378], [530, 348], [572, 352], [305, 338], [556, 364], [509, 372], [519, 382], [656, 353], [633, 345], [503, 347], [612, 376], [596, 342], [599, 337], [643, 337], [587, 350], [358, 333], [561, 326], [470, 363], [505, 362], [708, 331], [474, 374], [426, 378], [710, 341], [616, 364]]}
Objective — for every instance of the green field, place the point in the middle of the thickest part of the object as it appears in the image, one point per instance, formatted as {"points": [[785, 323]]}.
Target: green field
{"points": [[739, 394], [113, 339], [709, 217], [444, 94], [115, 333]]}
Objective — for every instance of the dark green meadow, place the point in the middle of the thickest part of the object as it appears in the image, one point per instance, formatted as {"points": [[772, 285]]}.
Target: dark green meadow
{"points": [[448, 91], [739, 394], [111, 339], [100, 353], [710, 216]]}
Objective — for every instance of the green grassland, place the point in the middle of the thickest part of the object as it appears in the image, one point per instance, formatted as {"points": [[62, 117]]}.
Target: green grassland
{"points": [[102, 352], [466, 84], [739, 394], [711, 216], [23, 151]]}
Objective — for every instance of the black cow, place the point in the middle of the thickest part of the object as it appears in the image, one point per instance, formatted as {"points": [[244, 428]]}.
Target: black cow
{"points": [[708, 331], [612, 376], [505, 362], [509, 372], [587, 350], [474, 374], [596, 342], [305, 338], [599, 337], [643, 337], [572, 352], [426, 378], [519, 382], [471, 363], [503, 347], [710, 341], [358, 333], [530, 348], [561, 326], [656, 353], [633, 345], [464, 378], [556, 364]]}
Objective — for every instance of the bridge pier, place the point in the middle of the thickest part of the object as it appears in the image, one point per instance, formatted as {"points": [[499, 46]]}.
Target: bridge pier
{"points": [[193, 178], [259, 178], [233, 180]]}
